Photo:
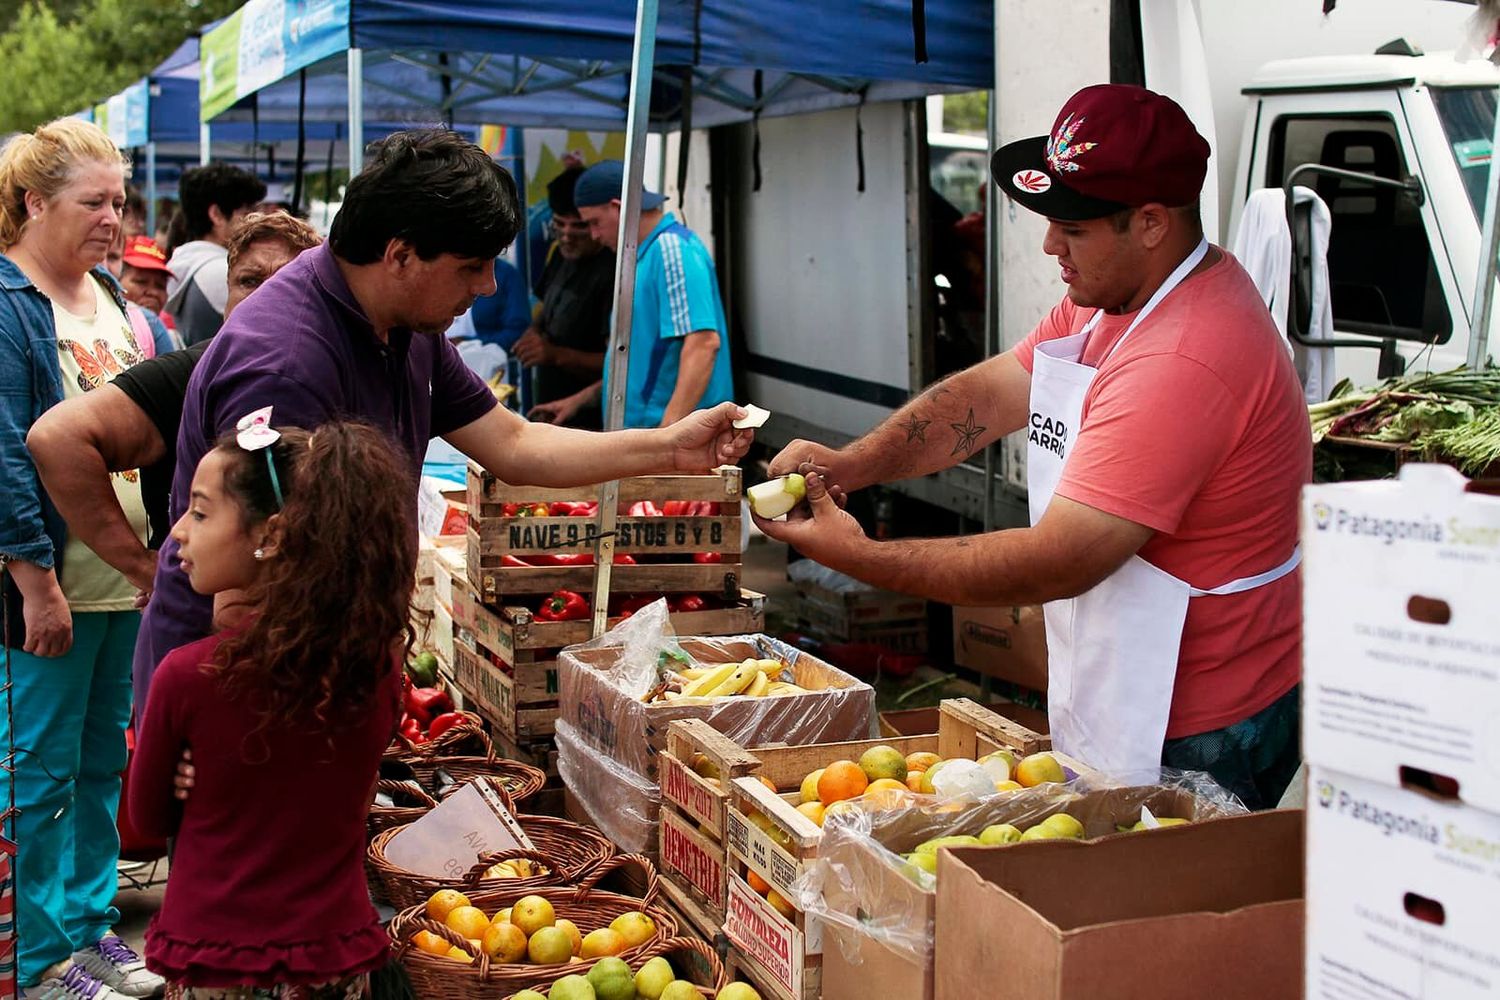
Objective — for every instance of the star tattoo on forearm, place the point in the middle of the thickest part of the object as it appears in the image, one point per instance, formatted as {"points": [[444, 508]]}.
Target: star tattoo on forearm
{"points": [[968, 435], [916, 430]]}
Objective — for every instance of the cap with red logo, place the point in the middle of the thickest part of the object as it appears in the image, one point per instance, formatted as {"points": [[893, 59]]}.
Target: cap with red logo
{"points": [[142, 252], [1112, 147]]}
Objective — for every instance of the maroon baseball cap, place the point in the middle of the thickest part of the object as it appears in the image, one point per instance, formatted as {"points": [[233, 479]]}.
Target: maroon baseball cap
{"points": [[1112, 147]]}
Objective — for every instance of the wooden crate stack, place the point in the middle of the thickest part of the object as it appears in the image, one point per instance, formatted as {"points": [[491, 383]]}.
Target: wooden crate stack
{"points": [[506, 659], [783, 955], [896, 621]]}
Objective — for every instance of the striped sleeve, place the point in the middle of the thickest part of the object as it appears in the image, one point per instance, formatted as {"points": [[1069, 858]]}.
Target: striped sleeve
{"points": [[688, 288]]}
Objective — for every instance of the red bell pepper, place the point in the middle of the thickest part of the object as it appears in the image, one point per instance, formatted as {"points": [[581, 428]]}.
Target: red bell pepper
{"points": [[634, 603], [513, 561], [424, 704], [563, 606], [644, 508], [443, 723], [688, 602], [677, 508], [584, 510], [624, 559], [705, 558], [410, 729], [510, 509]]}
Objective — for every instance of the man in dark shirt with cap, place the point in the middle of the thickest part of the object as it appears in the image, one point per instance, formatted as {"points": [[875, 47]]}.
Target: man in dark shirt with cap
{"points": [[566, 345], [1167, 444]]}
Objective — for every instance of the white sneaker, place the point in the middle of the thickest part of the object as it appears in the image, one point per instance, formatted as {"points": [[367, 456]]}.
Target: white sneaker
{"points": [[75, 984], [113, 963]]}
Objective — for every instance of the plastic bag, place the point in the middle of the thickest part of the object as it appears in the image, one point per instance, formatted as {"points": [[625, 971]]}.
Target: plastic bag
{"points": [[601, 685], [622, 804], [862, 887]]}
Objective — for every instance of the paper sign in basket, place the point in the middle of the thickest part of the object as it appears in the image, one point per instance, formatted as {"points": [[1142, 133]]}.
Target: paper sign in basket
{"points": [[448, 840]]}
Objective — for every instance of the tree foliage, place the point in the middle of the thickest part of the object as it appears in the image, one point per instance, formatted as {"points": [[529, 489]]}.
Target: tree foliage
{"points": [[65, 55]]}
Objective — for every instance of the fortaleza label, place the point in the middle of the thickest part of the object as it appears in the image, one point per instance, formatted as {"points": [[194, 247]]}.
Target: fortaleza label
{"points": [[1048, 434], [684, 855], [765, 936]]}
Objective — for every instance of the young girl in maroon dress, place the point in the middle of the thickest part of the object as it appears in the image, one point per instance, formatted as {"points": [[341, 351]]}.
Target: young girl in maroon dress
{"points": [[285, 712]]}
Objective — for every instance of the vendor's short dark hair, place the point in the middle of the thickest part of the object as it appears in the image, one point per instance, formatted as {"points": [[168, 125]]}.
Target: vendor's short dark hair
{"points": [[560, 192], [435, 190], [220, 184]]}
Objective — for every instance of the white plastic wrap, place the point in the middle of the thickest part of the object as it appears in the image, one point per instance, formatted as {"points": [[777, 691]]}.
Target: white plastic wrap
{"points": [[861, 884], [602, 684], [622, 804]]}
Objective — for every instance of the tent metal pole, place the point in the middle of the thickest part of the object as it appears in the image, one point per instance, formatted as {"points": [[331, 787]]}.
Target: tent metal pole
{"points": [[204, 144], [991, 299], [151, 189], [1484, 294], [643, 60], [356, 111]]}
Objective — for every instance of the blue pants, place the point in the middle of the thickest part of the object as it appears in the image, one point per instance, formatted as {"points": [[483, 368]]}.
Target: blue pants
{"points": [[71, 713], [1256, 758]]}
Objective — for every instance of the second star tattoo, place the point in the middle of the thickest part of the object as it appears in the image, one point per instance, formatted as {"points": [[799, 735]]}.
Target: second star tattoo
{"points": [[968, 435]]}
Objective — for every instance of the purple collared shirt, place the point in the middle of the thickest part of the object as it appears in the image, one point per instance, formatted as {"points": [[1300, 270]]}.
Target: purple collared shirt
{"points": [[302, 345]]}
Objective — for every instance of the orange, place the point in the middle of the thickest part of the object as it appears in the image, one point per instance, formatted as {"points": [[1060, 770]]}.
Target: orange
{"points": [[767, 782], [468, 921], [887, 793], [780, 905], [883, 762], [430, 943], [914, 780], [760, 885], [550, 946], [635, 927], [602, 942], [846, 806], [459, 955], [531, 914], [503, 917], [841, 780], [809, 789], [1038, 769], [921, 760], [813, 811], [572, 931], [443, 902], [503, 943]]}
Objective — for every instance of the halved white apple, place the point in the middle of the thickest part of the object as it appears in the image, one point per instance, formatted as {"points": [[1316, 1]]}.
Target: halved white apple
{"points": [[775, 497]]}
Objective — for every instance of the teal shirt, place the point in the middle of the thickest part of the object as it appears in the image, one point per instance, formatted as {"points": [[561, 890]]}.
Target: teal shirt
{"points": [[676, 293]]}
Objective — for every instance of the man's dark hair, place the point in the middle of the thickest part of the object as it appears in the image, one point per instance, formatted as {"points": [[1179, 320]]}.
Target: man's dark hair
{"points": [[229, 188], [135, 202], [560, 191], [435, 190]]}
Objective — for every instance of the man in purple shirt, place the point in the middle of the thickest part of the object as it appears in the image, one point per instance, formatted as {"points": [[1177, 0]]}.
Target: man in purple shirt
{"points": [[354, 330]]}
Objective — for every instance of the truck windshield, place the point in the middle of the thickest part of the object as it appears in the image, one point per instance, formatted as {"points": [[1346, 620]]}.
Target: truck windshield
{"points": [[1468, 116]]}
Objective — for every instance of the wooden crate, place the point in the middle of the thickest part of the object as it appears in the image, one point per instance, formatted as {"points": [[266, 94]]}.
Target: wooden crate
{"points": [[965, 730], [540, 753], [513, 698], [694, 813], [843, 614], [782, 957], [669, 542]]}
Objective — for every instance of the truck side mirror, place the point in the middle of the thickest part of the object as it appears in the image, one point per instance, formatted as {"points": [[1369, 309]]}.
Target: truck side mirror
{"points": [[1299, 224]]}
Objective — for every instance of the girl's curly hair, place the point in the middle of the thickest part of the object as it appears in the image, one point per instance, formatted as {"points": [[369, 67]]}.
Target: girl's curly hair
{"points": [[333, 606]]}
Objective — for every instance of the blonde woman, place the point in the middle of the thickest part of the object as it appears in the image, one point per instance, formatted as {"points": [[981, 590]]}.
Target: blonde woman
{"points": [[64, 332]]}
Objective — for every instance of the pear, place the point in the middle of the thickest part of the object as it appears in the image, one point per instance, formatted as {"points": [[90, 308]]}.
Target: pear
{"points": [[775, 497], [1000, 833]]}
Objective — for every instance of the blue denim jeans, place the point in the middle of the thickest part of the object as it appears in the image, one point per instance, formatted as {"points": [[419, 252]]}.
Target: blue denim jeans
{"points": [[1255, 758], [70, 714]]}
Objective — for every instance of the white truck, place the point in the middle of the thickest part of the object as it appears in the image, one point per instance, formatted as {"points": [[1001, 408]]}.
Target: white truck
{"points": [[834, 287]]}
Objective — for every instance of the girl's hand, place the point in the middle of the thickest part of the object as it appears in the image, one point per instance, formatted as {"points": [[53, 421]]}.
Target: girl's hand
{"points": [[182, 781]]}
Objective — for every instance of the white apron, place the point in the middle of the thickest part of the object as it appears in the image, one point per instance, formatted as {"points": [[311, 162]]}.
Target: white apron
{"points": [[1112, 652]]}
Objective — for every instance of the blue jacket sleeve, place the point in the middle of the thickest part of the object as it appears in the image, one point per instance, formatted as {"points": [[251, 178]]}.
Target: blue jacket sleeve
{"points": [[23, 532], [501, 318]]}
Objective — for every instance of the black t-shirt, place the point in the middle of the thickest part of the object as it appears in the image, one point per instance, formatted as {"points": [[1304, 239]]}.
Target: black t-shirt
{"points": [[159, 387], [577, 296]]}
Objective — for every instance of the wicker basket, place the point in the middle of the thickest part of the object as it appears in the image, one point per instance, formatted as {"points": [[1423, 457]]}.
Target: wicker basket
{"points": [[570, 852], [521, 781], [667, 947], [464, 738], [438, 978], [411, 799]]}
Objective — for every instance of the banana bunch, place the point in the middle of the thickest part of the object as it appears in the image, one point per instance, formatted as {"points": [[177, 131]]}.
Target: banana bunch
{"points": [[516, 868], [748, 678]]}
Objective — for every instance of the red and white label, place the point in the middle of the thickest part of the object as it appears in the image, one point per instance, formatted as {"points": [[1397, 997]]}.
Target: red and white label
{"points": [[765, 936], [681, 853], [678, 785], [1033, 181]]}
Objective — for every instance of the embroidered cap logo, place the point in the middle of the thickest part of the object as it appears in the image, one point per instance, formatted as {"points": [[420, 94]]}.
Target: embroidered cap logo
{"points": [[1033, 181], [1062, 151]]}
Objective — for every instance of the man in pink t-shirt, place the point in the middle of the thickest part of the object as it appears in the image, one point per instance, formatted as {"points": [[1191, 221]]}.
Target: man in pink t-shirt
{"points": [[1167, 445]]}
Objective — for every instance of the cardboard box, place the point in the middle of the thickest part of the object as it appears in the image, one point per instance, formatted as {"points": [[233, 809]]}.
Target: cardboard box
{"points": [[1008, 643], [632, 733], [896, 961], [1210, 909], [1402, 639], [1402, 892], [917, 721]]}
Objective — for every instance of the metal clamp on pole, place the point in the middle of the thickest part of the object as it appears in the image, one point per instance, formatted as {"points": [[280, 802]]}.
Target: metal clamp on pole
{"points": [[642, 62]]}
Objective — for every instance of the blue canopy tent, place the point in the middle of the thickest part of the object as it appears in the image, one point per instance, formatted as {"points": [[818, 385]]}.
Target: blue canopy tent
{"points": [[594, 64]]}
